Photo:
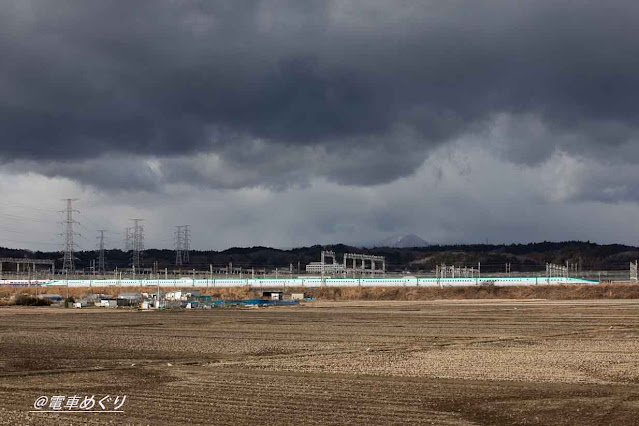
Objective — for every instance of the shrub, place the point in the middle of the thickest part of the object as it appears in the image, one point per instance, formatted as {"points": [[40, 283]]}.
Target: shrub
{"points": [[29, 300]]}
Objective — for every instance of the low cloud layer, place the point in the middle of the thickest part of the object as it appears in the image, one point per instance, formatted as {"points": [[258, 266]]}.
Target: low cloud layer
{"points": [[461, 194]]}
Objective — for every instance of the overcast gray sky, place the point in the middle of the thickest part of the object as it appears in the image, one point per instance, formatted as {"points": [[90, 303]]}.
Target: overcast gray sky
{"points": [[288, 123]]}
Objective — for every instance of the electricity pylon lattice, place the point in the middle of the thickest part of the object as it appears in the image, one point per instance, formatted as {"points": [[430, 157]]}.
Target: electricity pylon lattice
{"points": [[186, 243], [178, 245], [101, 257], [182, 244], [128, 234], [68, 260], [137, 244]]}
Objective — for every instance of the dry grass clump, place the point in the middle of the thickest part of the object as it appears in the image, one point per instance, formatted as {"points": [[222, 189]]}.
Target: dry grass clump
{"points": [[215, 292], [556, 292], [231, 293], [29, 300]]}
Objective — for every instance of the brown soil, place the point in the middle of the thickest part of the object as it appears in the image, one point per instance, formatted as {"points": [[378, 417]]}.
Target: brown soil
{"points": [[444, 362]]}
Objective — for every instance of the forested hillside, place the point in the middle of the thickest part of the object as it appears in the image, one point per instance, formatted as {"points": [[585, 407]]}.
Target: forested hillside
{"points": [[522, 257]]}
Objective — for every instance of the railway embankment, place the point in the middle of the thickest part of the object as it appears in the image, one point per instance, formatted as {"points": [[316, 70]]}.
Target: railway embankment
{"points": [[554, 292]]}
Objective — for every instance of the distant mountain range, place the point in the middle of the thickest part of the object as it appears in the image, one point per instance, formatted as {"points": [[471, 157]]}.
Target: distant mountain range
{"points": [[403, 241]]}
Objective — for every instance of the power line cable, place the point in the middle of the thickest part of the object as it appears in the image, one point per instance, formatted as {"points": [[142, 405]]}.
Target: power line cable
{"points": [[21, 206], [93, 223], [15, 217], [31, 242], [22, 232]]}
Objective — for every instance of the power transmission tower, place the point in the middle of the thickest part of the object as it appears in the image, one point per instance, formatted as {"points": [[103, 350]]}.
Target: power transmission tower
{"points": [[128, 234], [68, 260], [138, 243], [186, 243], [101, 260], [178, 245], [182, 244]]}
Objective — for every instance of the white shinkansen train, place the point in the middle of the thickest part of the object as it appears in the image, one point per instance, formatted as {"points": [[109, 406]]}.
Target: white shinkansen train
{"points": [[260, 283]]}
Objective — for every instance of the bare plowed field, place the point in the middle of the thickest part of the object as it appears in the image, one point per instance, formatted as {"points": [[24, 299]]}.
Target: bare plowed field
{"points": [[439, 362]]}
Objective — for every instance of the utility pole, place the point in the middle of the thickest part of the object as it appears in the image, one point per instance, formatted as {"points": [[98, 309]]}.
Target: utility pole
{"points": [[101, 260], [138, 243], [68, 260]]}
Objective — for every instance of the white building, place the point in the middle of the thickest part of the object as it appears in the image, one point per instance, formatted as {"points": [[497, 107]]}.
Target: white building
{"points": [[329, 268]]}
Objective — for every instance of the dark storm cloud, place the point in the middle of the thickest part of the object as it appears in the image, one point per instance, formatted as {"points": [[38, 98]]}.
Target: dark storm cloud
{"points": [[356, 91]]}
